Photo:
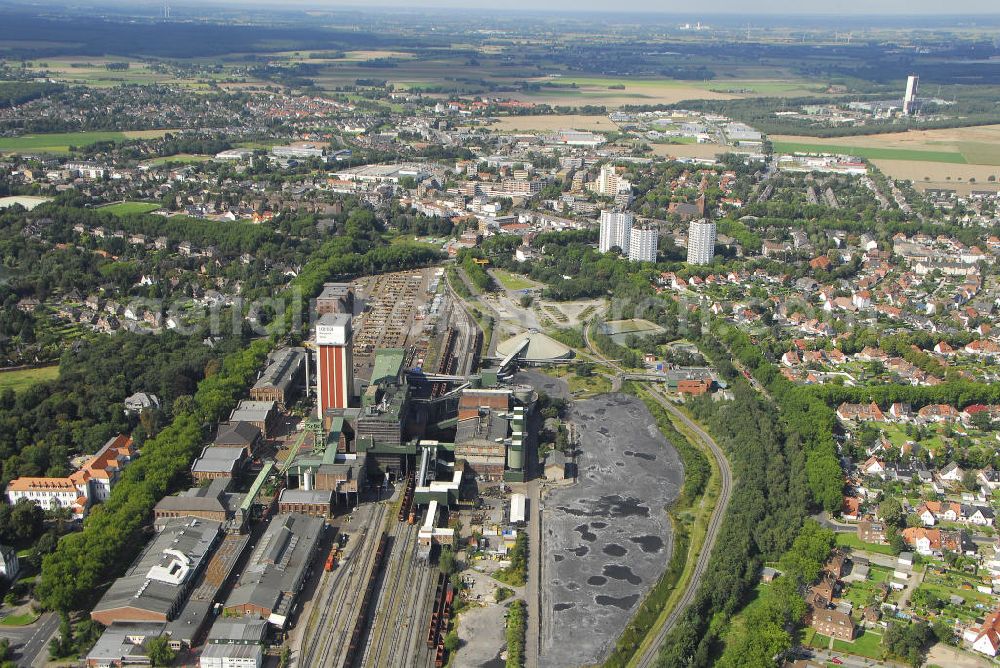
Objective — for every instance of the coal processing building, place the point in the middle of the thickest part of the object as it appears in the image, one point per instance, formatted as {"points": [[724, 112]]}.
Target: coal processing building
{"points": [[478, 428]]}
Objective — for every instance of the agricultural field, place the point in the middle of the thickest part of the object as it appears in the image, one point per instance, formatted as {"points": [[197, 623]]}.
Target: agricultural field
{"points": [[960, 178], [870, 152], [24, 378], [415, 72], [304, 56], [555, 122], [93, 71], [714, 89], [59, 142], [976, 145], [615, 92], [129, 208]]}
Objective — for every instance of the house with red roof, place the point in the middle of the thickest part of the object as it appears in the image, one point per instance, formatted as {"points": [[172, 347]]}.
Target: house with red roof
{"points": [[985, 638]]}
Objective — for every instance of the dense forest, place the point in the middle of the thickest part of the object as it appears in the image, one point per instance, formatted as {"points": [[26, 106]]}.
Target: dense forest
{"points": [[785, 466], [13, 93], [44, 425], [82, 36], [769, 502]]}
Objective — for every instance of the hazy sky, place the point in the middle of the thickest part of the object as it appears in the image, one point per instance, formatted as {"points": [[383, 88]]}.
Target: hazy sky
{"points": [[681, 7]]}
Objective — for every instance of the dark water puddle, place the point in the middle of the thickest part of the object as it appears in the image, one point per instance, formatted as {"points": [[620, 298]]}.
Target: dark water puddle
{"points": [[623, 603], [648, 544], [619, 572], [615, 550]]}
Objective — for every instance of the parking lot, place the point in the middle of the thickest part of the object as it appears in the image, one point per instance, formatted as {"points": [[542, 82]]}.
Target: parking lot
{"points": [[606, 539]]}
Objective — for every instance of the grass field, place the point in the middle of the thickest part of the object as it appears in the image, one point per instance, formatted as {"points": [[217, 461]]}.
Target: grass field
{"points": [[708, 151], [19, 620], [852, 541], [868, 644], [512, 281], [817, 640], [872, 153], [25, 378], [61, 141], [128, 208], [180, 158]]}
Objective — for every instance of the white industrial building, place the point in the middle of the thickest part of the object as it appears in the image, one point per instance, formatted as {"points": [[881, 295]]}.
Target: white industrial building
{"points": [[518, 507]]}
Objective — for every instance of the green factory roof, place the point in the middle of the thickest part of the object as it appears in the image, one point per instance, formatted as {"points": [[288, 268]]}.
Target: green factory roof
{"points": [[336, 426], [251, 495], [388, 365]]}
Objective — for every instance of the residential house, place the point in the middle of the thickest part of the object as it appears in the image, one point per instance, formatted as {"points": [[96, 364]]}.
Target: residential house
{"points": [[860, 412], [851, 508], [951, 473], [871, 532], [833, 623], [985, 638], [139, 402], [937, 413], [874, 467], [989, 477]]}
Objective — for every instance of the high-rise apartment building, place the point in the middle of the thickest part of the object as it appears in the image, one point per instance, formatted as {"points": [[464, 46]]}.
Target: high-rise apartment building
{"points": [[610, 184], [701, 241], [616, 230], [335, 364], [643, 243]]}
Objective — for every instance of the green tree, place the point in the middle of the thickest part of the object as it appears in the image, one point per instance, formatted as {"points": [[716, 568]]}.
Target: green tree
{"points": [[159, 651], [446, 561], [891, 511]]}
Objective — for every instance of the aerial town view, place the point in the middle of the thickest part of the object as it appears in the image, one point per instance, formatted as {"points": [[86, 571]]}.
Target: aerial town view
{"points": [[469, 335]]}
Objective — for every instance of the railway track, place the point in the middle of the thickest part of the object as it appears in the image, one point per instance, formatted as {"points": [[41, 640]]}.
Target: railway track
{"points": [[391, 641], [648, 659], [333, 628]]}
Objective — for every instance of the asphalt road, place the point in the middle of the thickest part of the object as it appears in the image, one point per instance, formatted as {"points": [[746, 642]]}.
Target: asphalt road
{"points": [[30, 644], [648, 658]]}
